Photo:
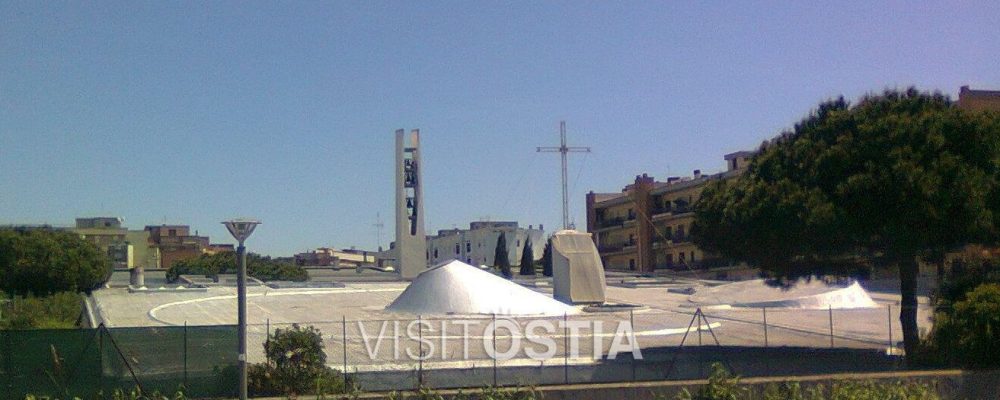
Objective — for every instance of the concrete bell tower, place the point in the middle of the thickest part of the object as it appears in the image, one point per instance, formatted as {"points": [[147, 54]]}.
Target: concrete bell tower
{"points": [[410, 252]]}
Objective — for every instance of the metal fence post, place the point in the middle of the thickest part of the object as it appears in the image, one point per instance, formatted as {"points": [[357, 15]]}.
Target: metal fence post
{"points": [[344, 339], [494, 350], [420, 360], [830, 310], [566, 347], [185, 354], [100, 357], [698, 325], [631, 321], [889, 320], [764, 309]]}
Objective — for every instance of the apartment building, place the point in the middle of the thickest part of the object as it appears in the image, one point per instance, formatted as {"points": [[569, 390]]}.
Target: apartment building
{"points": [[477, 245], [646, 226], [175, 243]]}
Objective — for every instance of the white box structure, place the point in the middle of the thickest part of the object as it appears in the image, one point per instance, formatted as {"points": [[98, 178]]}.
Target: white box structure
{"points": [[577, 271]]}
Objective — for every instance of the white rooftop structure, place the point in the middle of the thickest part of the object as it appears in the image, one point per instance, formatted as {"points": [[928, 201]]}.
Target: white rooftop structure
{"points": [[459, 288], [811, 294], [577, 271]]}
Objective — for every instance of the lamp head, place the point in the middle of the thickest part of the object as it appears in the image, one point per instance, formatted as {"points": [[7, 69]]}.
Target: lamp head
{"points": [[241, 228]]}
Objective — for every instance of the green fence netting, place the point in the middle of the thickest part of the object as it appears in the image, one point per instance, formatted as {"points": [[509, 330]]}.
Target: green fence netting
{"points": [[93, 363]]}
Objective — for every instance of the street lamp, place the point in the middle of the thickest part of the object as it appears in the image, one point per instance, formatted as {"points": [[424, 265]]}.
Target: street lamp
{"points": [[241, 230]]}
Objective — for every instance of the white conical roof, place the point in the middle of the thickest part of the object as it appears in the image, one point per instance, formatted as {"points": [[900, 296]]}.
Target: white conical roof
{"points": [[459, 288]]}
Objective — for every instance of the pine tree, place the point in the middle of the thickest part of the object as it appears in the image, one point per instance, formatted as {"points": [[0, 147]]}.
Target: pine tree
{"points": [[500, 259], [547, 259], [528, 258]]}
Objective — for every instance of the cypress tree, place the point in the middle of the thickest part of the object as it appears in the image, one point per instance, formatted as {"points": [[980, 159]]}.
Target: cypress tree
{"points": [[500, 259], [547, 259], [528, 258]]}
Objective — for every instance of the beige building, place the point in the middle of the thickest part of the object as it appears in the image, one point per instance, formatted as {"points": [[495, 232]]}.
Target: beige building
{"points": [[108, 234], [646, 225], [126, 248], [978, 100]]}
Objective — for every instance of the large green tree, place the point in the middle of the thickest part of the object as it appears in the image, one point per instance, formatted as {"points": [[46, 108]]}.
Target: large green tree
{"points": [[500, 259], [878, 184], [42, 261]]}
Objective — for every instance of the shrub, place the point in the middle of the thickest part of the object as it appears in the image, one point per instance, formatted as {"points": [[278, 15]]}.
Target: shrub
{"points": [[968, 333], [58, 311], [724, 386], [967, 273], [721, 386], [296, 364], [260, 267], [42, 262]]}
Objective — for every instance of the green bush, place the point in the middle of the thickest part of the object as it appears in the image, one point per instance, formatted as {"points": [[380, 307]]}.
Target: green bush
{"points": [[968, 333], [260, 267], [296, 364], [119, 394], [967, 273], [851, 390], [41, 262], [724, 386], [721, 386], [58, 311], [486, 393]]}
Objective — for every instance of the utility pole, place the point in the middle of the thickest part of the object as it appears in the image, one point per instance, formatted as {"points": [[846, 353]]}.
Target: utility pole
{"points": [[564, 150]]}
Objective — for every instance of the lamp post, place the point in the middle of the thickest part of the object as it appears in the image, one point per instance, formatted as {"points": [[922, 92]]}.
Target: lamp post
{"points": [[241, 230]]}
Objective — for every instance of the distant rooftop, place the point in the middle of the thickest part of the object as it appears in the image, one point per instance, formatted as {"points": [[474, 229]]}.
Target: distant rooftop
{"points": [[978, 100]]}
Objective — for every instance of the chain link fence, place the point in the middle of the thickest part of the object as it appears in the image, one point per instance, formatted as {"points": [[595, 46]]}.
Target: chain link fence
{"points": [[465, 351], [87, 363]]}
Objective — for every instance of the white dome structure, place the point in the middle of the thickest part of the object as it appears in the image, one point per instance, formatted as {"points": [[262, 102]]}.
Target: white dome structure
{"points": [[814, 294], [459, 288]]}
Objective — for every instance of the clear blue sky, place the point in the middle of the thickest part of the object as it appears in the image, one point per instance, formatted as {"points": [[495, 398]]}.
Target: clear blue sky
{"points": [[192, 112]]}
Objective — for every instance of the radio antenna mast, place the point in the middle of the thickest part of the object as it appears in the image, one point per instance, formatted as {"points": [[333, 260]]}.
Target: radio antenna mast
{"points": [[563, 150]]}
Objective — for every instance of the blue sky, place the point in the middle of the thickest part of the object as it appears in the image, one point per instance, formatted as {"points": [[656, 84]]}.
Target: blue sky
{"points": [[192, 112]]}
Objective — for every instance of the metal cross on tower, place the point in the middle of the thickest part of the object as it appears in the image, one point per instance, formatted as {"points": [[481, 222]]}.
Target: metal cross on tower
{"points": [[563, 150]]}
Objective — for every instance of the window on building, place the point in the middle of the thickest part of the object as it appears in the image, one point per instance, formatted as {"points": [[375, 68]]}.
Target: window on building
{"points": [[468, 247], [692, 256], [668, 232], [670, 260], [518, 243], [680, 233], [457, 248], [435, 253], [680, 257], [172, 232], [631, 263]]}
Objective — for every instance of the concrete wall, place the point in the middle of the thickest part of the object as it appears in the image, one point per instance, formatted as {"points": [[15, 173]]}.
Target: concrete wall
{"points": [[950, 384]]}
